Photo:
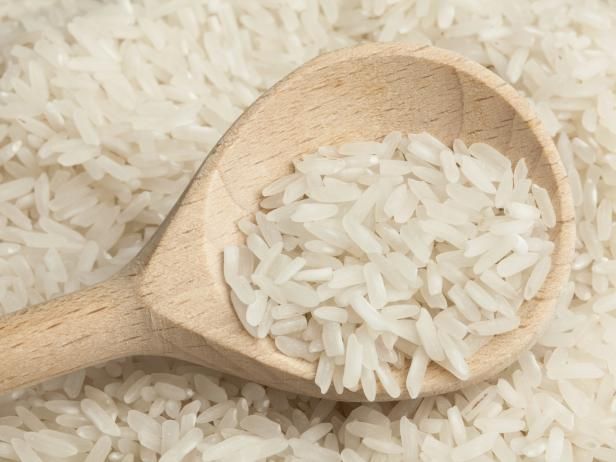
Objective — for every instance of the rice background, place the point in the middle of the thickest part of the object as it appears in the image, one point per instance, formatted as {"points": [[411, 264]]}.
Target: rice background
{"points": [[106, 109]]}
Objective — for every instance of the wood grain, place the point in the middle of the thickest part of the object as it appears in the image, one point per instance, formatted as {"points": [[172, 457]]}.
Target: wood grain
{"points": [[172, 300]]}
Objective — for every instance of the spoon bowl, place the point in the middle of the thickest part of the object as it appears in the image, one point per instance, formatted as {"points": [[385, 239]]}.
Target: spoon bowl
{"points": [[171, 300]]}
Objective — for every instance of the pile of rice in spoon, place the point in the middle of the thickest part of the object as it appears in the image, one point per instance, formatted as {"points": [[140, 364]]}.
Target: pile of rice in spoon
{"points": [[375, 256]]}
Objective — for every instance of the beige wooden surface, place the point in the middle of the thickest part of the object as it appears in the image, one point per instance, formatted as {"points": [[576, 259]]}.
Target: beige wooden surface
{"points": [[172, 301]]}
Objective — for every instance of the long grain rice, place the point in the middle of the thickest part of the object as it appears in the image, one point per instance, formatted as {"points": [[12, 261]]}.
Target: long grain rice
{"points": [[219, 56]]}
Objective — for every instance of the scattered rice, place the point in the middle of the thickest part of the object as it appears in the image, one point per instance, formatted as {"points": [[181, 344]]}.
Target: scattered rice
{"points": [[234, 51]]}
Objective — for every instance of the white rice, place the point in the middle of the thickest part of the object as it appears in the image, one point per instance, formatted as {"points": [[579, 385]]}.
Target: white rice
{"points": [[235, 50], [399, 266]]}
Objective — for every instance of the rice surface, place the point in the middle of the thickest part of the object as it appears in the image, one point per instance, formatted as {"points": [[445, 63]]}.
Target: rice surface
{"points": [[159, 82]]}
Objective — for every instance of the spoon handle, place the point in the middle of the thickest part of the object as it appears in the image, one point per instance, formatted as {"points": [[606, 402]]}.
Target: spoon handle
{"points": [[71, 332]]}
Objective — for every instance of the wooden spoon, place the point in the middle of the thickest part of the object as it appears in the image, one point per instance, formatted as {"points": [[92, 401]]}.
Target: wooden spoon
{"points": [[171, 299]]}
